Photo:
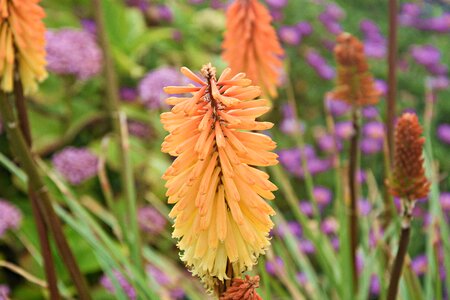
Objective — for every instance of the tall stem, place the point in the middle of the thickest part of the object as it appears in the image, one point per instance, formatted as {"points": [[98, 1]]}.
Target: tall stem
{"points": [[120, 130], [402, 249], [49, 265], [22, 152], [353, 186], [392, 76]]}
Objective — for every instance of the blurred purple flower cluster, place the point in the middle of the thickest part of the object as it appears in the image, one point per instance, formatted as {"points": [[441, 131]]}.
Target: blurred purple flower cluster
{"points": [[73, 52], [415, 15], [150, 220], [291, 160], [429, 57], [4, 292], [76, 165], [374, 41], [443, 133], [293, 35], [330, 18], [10, 216], [289, 124], [165, 281], [150, 88], [127, 288], [319, 64]]}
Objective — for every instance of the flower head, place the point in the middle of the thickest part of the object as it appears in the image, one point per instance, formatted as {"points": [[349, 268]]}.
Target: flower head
{"points": [[408, 180], [22, 44], [76, 165], [355, 84], [220, 216], [4, 292], [10, 216], [242, 289], [73, 52], [251, 44]]}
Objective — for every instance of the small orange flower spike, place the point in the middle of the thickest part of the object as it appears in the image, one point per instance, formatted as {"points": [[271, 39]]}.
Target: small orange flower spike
{"points": [[408, 179], [251, 44], [354, 81], [22, 44], [220, 215], [242, 289]]}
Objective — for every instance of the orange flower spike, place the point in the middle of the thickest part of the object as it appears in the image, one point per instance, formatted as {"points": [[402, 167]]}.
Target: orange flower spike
{"points": [[354, 81], [251, 44], [408, 179], [22, 44], [220, 213]]}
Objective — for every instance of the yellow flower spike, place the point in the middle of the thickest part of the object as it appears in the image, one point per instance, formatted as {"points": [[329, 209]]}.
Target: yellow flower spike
{"points": [[221, 218], [22, 44]]}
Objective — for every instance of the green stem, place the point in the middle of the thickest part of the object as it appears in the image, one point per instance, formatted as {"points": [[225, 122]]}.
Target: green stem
{"points": [[20, 149], [119, 126]]}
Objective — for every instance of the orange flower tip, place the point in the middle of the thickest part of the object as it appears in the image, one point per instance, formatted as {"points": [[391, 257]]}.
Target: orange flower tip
{"points": [[180, 89], [191, 75]]}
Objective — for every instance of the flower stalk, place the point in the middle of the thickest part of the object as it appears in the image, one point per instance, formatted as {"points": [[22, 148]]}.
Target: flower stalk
{"points": [[49, 265], [118, 120], [19, 147], [408, 182]]}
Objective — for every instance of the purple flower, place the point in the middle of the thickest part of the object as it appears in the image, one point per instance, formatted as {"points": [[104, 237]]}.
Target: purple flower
{"points": [[150, 88], [291, 160], [143, 5], [160, 277], [277, 4], [301, 277], [443, 133], [374, 130], [375, 285], [304, 28], [128, 289], [177, 293], [371, 146], [382, 86], [344, 130], [409, 14], [276, 14], [438, 83], [150, 220], [429, 56], [274, 266], [306, 208], [290, 35], [293, 227], [128, 94], [319, 64], [335, 243], [322, 195], [89, 26], [374, 42], [306, 246], [370, 112], [73, 52], [439, 24], [139, 129], [4, 292], [328, 144], [164, 13], [329, 226], [364, 207], [76, 165], [316, 166], [289, 124], [444, 199], [420, 264], [334, 12], [336, 107], [10, 216]]}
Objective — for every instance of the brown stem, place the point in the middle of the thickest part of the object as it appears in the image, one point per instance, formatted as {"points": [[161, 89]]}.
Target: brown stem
{"points": [[398, 263], [20, 149], [353, 185], [49, 265], [392, 76]]}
